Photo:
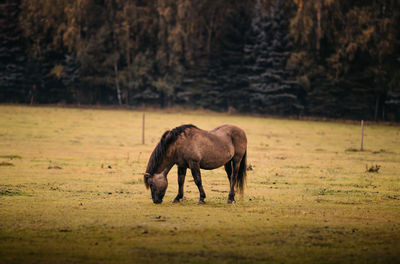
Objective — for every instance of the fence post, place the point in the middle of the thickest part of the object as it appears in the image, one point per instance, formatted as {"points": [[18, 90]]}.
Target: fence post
{"points": [[143, 123], [362, 135]]}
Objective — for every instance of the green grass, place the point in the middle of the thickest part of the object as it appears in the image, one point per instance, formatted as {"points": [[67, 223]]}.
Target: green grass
{"points": [[75, 192]]}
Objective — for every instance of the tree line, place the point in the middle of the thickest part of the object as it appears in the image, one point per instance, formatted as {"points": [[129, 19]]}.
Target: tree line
{"points": [[334, 58]]}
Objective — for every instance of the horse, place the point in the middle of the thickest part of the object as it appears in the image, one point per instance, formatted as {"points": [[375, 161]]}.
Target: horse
{"points": [[188, 146]]}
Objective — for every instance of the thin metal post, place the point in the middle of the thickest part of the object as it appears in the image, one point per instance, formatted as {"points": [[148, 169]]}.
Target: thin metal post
{"points": [[362, 135], [143, 123]]}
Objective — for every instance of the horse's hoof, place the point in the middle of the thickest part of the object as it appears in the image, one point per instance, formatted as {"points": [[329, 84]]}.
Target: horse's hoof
{"points": [[230, 201], [175, 201], [201, 202]]}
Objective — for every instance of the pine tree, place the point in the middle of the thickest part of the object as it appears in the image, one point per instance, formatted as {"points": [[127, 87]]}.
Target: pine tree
{"points": [[232, 79], [12, 55], [272, 89], [215, 79]]}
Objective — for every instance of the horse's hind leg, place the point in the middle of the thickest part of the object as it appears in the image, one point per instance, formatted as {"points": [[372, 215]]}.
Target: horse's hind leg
{"points": [[228, 169], [232, 180], [181, 182], [197, 179]]}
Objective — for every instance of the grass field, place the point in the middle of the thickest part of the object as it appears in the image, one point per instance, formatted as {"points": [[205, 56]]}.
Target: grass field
{"points": [[71, 191]]}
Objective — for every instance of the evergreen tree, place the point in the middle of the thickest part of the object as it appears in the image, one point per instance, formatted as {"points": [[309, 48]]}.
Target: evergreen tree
{"points": [[232, 80], [71, 76], [272, 89], [220, 55], [216, 79], [13, 86]]}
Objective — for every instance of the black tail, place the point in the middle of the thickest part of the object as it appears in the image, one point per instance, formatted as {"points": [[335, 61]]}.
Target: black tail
{"points": [[241, 179]]}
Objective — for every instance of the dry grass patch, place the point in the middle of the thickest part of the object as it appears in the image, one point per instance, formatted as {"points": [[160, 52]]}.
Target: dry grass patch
{"points": [[77, 195]]}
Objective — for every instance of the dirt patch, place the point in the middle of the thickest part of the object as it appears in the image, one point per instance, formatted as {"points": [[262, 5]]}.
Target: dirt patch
{"points": [[10, 192], [55, 167], [6, 164]]}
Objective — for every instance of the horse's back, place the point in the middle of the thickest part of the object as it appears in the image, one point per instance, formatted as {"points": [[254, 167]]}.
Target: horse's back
{"points": [[234, 133]]}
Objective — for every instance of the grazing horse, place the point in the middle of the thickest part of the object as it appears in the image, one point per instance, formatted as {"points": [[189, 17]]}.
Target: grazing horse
{"points": [[190, 147]]}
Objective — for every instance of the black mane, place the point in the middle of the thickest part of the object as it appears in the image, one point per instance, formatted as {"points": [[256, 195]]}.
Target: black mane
{"points": [[167, 139]]}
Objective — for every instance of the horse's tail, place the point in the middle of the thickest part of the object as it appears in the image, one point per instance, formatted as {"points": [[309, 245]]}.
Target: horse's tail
{"points": [[241, 178]]}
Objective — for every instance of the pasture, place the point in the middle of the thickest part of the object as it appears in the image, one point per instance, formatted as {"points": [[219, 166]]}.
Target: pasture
{"points": [[71, 191]]}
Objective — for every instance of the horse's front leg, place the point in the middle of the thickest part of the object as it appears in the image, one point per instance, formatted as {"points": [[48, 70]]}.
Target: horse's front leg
{"points": [[181, 182], [197, 179]]}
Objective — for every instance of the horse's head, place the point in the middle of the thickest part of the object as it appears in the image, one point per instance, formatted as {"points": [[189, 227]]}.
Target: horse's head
{"points": [[158, 184]]}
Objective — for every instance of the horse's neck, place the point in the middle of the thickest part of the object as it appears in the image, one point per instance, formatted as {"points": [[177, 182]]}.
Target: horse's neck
{"points": [[165, 165]]}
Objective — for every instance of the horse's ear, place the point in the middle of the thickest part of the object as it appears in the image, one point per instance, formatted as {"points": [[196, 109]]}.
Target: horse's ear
{"points": [[146, 179]]}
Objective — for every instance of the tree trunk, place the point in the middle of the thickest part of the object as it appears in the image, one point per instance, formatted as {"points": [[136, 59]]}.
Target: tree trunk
{"points": [[377, 108], [32, 93], [210, 29], [319, 30], [117, 83]]}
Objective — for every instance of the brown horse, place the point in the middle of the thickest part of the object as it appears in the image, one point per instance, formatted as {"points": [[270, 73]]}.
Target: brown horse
{"points": [[190, 147]]}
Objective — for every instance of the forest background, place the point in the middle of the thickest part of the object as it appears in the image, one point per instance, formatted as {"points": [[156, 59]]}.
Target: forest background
{"points": [[331, 58]]}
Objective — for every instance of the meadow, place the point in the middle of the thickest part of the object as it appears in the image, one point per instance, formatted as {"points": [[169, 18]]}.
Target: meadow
{"points": [[71, 191]]}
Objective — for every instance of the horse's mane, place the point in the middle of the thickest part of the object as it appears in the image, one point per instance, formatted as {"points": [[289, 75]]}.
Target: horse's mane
{"points": [[167, 139]]}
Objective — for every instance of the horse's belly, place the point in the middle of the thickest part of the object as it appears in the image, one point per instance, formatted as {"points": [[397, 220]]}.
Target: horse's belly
{"points": [[211, 161]]}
